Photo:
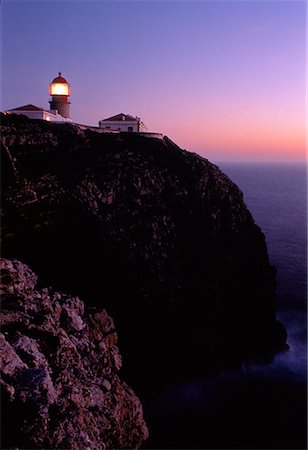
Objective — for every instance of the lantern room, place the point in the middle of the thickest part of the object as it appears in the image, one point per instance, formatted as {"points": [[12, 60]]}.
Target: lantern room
{"points": [[59, 86]]}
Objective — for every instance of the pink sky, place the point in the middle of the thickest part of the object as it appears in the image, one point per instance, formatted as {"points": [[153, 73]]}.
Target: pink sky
{"points": [[226, 79]]}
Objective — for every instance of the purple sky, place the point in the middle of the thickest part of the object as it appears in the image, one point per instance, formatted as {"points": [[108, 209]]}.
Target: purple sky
{"points": [[223, 78]]}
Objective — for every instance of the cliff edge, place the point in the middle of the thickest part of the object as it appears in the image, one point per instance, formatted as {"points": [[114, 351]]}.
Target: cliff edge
{"points": [[158, 236]]}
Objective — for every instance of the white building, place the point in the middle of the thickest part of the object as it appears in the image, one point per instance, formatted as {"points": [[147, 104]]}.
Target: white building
{"points": [[35, 112], [59, 111], [123, 122]]}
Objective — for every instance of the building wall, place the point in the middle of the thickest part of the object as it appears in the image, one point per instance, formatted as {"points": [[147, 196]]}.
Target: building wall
{"points": [[53, 116], [123, 125], [30, 114], [152, 135], [120, 125], [142, 127], [42, 115]]}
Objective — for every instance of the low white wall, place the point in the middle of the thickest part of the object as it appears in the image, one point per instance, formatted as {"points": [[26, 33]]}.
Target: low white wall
{"points": [[41, 115], [119, 126]]}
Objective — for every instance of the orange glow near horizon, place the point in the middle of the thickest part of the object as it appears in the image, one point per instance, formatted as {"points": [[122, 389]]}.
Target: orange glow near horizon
{"points": [[247, 143], [253, 131]]}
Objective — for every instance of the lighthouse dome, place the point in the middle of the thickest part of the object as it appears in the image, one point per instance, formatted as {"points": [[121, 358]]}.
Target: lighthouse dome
{"points": [[59, 79]]}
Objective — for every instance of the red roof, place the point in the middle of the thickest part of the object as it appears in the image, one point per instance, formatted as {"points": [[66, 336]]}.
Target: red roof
{"points": [[27, 108], [59, 79], [120, 117]]}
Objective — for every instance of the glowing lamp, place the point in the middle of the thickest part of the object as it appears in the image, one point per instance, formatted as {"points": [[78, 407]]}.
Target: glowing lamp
{"points": [[59, 89], [59, 86]]}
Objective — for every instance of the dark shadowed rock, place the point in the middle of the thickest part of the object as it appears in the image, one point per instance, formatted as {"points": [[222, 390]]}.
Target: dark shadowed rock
{"points": [[157, 235], [59, 371]]}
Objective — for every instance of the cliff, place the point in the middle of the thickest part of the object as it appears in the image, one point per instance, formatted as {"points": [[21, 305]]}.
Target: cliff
{"points": [[158, 236], [59, 371]]}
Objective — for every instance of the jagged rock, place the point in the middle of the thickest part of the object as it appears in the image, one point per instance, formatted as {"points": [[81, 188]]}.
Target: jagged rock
{"points": [[59, 371], [157, 235]]}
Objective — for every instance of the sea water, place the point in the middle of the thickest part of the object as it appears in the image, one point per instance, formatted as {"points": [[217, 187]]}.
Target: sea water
{"points": [[261, 405], [276, 195]]}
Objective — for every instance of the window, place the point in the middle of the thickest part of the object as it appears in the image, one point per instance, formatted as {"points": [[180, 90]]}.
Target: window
{"points": [[130, 129]]}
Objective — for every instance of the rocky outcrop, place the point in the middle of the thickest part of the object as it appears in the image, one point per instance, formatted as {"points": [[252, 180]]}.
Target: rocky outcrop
{"points": [[59, 371], [158, 236]]}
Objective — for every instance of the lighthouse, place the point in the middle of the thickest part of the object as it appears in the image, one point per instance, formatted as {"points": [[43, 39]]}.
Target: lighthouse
{"points": [[60, 91]]}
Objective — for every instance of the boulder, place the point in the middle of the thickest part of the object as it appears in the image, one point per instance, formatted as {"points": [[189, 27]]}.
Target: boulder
{"points": [[59, 369]]}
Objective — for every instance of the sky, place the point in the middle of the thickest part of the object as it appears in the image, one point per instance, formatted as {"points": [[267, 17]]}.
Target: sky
{"points": [[225, 79]]}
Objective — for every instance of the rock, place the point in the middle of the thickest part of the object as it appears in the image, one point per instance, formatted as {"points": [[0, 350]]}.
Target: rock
{"points": [[60, 383], [158, 236], [10, 361], [16, 278]]}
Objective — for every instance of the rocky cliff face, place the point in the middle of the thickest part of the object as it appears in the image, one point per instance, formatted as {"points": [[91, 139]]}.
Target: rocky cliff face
{"points": [[158, 236], [59, 371]]}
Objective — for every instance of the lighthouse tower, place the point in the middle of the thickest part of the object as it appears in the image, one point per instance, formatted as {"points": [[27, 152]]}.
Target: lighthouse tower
{"points": [[60, 91]]}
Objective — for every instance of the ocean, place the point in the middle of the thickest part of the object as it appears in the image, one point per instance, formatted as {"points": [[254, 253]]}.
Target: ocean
{"points": [[260, 406], [276, 195]]}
